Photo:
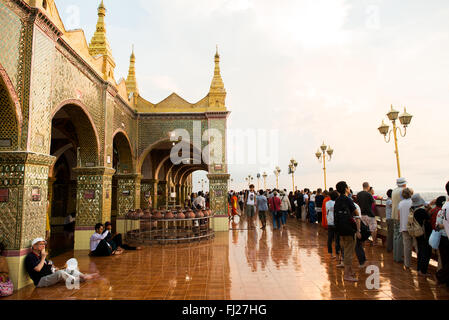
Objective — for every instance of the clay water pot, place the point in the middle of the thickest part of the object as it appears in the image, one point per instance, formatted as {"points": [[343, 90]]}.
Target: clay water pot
{"points": [[190, 214], [157, 215], [199, 214], [169, 215], [180, 215]]}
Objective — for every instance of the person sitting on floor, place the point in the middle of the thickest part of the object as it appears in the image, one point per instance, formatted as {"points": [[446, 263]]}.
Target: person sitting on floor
{"points": [[116, 241], [99, 247], [43, 272], [6, 286]]}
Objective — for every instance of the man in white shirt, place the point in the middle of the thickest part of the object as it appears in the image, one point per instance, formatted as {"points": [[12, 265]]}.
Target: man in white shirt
{"points": [[200, 201], [98, 246], [250, 206]]}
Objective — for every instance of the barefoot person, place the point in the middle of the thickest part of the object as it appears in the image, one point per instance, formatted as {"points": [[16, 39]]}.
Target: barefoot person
{"points": [[347, 223], [43, 272], [99, 247]]}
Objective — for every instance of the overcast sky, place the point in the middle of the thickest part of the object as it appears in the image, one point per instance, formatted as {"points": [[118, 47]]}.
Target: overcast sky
{"points": [[308, 70]]}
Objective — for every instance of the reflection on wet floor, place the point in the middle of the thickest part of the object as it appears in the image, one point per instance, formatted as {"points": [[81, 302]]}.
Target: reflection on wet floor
{"points": [[244, 263]]}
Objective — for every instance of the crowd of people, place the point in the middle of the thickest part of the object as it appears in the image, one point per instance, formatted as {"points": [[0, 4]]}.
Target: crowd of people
{"points": [[352, 219]]}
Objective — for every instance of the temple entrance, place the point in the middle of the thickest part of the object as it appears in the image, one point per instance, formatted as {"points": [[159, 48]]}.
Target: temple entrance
{"points": [[122, 162], [68, 146]]}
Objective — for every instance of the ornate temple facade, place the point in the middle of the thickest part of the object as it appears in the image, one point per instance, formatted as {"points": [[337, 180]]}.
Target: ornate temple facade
{"points": [[72, 139]]}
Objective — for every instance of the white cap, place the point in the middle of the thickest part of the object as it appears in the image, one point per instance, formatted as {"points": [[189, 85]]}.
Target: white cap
{"points": [[37, 240]]}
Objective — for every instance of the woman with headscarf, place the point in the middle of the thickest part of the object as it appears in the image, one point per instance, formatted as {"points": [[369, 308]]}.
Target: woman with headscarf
{"points": [[424, 249]]}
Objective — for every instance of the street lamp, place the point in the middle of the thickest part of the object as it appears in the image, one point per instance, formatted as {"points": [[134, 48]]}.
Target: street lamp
{"points": [[384, 130], [258, 181], [292, 169], [321, 156], [277, 173], [249, 179], [202, 184], [265, 180]]}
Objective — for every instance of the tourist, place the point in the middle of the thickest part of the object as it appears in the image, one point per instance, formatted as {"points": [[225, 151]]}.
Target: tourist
{"points": [[312, 212], [300, 210], [347, 224], [285, 208], [234, 206], [359, 243], [324, 210], [292, 198], [275, 208], [390, 221], [366, 201], [319, 198], [396, 197], [200, 202], [306, 203], [404, 211], [443, 274], [424, 249], [241, 200], [43, 272], [434, 212], [116, 241], [331, 231], [6, 285], [69, 226], [250, 205], [99, 247], [262, 208]]}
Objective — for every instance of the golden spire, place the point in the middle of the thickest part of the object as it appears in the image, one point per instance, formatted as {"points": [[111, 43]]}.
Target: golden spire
{"points": [[131, 81], [99, 43], [217, 93], [217, 85]]}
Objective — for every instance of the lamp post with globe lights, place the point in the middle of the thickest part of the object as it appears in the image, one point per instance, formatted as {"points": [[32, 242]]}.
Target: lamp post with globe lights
{"points": [[265, 180], [326, 152], [292, 169], [405, 119], [277, 173]]}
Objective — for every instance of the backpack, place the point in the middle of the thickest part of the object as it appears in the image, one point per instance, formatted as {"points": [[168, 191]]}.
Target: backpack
{"points": [[344, 222], [413, 227]]}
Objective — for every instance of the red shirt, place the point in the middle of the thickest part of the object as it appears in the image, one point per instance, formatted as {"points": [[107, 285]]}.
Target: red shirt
{"points": [[433, 216], [275, 204]]}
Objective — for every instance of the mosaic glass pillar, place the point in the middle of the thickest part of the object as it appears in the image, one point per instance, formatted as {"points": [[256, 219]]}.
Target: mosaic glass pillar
{"points": [[93, 202], [162, 199], [178, 195], [218, 192], [128, 193], [23, 207], [146, 192]]}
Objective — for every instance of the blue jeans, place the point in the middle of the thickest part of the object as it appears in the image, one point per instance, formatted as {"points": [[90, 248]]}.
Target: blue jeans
{"points": [[312, 213], [284, 215], [276, 217]]}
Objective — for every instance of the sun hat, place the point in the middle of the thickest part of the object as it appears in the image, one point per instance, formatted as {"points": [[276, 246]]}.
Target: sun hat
{"points": [[37, 240], [418, 201], [401, 182]]}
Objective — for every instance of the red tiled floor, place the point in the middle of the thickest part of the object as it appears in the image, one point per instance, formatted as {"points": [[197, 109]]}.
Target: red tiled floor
{"points": [[292, 264]]}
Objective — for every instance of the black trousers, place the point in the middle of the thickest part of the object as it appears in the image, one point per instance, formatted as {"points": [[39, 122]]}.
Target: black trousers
{"points": [[443, 274], [103, 249], [360, 252], [332, 235], [424, 253]]}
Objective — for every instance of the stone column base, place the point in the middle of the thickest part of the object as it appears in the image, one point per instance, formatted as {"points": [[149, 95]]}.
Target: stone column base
{"points": [[220, 224], [82, 238], [17, 272]]}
